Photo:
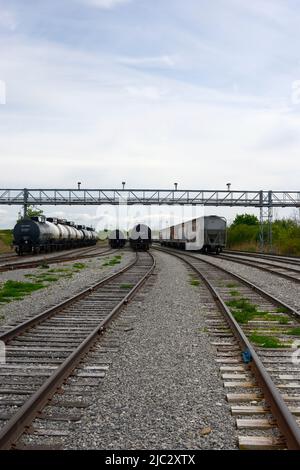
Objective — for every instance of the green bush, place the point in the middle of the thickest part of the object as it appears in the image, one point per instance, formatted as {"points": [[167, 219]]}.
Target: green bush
{"points": [[6, 237], [286, 235]]}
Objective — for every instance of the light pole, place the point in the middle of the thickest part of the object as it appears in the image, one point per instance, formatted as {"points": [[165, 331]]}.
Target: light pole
{"points": [[175, 184], [123, 183], [228, 186], [78, 184]]}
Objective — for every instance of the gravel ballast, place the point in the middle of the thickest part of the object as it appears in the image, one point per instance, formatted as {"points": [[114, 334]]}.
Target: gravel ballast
{"points": [[163, 388], [285, 290], [56, 292]]}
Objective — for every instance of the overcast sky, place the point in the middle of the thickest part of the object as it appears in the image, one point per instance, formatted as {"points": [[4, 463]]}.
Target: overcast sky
{"points": [[201, 92]]}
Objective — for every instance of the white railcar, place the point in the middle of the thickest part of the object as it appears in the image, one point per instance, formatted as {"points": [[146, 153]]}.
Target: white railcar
{"points": [[207, 233]]}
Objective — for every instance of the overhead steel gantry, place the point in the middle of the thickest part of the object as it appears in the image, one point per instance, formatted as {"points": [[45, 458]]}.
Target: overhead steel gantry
{"points": [[149, 196], [264, 200]]}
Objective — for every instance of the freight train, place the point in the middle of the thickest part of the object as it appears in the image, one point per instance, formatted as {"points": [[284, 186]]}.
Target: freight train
{"points": [[206, 234], [140, 237], [42, 235], [116, 239]]}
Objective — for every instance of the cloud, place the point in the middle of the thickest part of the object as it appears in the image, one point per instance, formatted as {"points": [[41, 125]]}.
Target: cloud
{"points": [[8, 20], [105, 4], [147, 92], [149, 98], [155, 62]]}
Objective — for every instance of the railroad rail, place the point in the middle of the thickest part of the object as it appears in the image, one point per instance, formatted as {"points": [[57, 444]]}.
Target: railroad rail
{"points": [[272, 268], [284, 258], [273, 370], [75, 255], [45, 350]]}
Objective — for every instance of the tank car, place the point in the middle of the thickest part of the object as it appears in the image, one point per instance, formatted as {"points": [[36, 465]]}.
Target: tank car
{"points": [[116, 239], [206, 234], [140, 237], [38, 234]]}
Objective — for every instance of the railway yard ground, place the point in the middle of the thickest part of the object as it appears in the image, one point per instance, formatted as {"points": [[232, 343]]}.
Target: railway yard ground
{"points": [[165, 373]]}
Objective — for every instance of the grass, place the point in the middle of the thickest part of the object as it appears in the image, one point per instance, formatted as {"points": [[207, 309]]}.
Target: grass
{"points": [[283, 320], [44, 266], [112, 262], [6, 238], [16, 290], [79, 266], [47, 278], [267, 341], [195, 282], [126, 286], [231, 285], [242, 304], [54, 274], [294, 331], [60, 270], [234, 293], [282, 310], [244, 311], [272, 317]]}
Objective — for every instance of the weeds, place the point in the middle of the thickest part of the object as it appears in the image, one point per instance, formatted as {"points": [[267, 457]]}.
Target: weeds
{"points": [[231, 285], [234, 293], [294, 331], [112, 262], [44, 266], [244, 311], [282, 310], [15, 290], [79, 266], [267, 341]]}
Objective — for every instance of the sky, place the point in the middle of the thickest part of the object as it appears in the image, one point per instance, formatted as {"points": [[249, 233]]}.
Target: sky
{"points": [[151, 92]]}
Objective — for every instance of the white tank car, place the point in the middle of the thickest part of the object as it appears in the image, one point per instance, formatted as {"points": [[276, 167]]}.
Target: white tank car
{"points": [[207, 233], [53, 229], [64, 233]]}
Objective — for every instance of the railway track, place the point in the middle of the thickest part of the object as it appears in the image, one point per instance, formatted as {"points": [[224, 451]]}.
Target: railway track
{"points": [[284, 258], [91, 252], [43, 352], [290, 273], [7, 257], [255, 340]]}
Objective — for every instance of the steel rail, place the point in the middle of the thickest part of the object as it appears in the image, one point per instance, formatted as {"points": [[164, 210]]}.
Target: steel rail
{"points": [[31, 408], [37, 319], [247, 283], [290, 259], [285, 419], [57, 259], [262, 266]]}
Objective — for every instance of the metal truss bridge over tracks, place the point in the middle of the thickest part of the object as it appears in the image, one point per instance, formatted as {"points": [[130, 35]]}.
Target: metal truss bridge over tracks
{"points": [[264, 200], [150, 196]]}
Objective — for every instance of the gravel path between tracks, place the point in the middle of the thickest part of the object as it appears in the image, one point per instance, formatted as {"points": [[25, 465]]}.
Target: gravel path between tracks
{"points": [[163, 387], [55, 292], [283, 289]]}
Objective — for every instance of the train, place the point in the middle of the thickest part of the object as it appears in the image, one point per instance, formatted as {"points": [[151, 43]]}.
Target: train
{"points": [[42, 235], [140, 237], [206, 234], [116, 239]]}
